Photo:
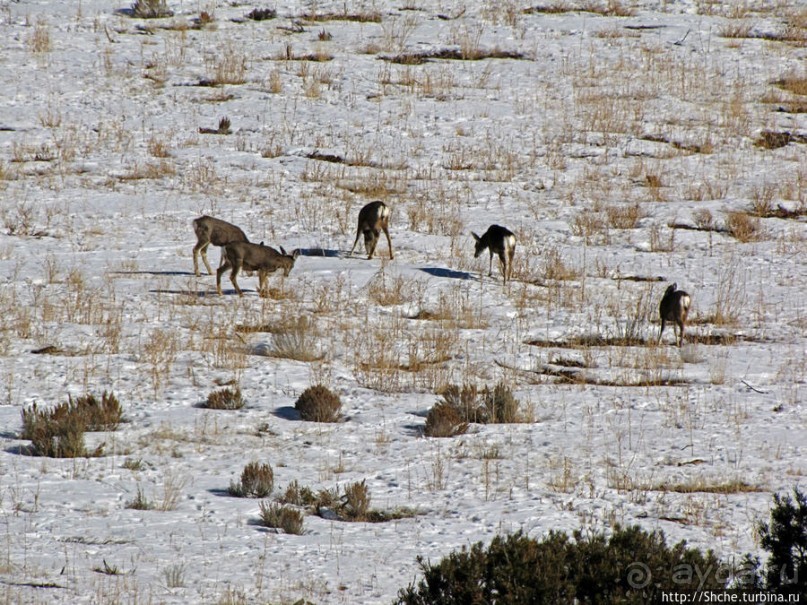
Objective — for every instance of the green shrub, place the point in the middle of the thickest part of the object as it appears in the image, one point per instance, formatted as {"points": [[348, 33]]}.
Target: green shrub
{"points": [[257, 481], [225, 399], [516, 569], [785, 538], [319, 404]]}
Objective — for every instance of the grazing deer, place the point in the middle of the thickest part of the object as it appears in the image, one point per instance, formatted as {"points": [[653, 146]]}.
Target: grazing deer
{"points": [[254, 257], [674, 306], [214, 231], [373, 219], [500, 241]]}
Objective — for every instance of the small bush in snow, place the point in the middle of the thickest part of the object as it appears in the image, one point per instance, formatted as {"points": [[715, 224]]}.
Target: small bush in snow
{"points": [[59, 432], [278, 516], [319, 404], [151, 9], [444, 420], [225, 399], [257, 481]]}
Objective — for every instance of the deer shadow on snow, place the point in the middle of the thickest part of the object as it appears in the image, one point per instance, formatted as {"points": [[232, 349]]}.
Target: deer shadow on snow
{"points": [[447, 273]]}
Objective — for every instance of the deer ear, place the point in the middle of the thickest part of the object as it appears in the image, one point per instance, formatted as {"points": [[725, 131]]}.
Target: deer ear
{"points": [[282, 251], [476, 237], [296, 253], [674, 286]]}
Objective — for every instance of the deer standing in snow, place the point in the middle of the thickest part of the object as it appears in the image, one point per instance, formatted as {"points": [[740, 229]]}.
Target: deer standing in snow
{"points": [[500, 241], [214, 231], [674, 306], [373, 219], [254, 257]]}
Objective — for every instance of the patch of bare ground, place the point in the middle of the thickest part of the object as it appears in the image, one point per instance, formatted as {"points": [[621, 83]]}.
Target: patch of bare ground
{"points": [[706, 148], [454, 54], [595, 340], [612, 8], [370, 16], [702, 486], [580, 376]]}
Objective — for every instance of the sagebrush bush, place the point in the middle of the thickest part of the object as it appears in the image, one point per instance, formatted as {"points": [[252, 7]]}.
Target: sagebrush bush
{"points": [[59, 431], [151, 9], [298, 495], [501, 405], [444, 420], [496, 405], [257, 481], [632, 566], [278, 516], [225, 399], [319, 404], [355, 504]]}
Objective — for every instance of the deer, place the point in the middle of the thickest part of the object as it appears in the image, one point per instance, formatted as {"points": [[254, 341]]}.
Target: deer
{"points": [[373, 219], [500, 241], [674, 306], [254, 257], [214, 231]]}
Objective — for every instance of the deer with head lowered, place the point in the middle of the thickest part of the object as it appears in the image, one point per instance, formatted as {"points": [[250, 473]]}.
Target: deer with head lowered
{"points": [[214, 231], [674, 307], [254, 257], [499, 241], [373, 219]]}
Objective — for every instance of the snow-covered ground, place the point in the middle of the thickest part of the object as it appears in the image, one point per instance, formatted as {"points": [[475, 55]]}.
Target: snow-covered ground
{"points": [[597, 132]]}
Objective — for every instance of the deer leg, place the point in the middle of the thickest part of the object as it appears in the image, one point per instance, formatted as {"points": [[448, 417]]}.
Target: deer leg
{"points": [[233, 276], [219, 273], [203, 251], [371, 244], [490, 265], [510, 255], [661, 331], [263, 290], [389, 243], [503, 264], [679, 339]]}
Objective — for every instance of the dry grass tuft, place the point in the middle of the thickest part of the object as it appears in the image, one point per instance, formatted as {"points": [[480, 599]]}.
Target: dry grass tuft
{"points": [[744, 227]]}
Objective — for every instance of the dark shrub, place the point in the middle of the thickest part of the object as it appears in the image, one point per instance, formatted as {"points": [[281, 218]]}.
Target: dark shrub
{"points": [[517, 569], [319, 404], [785, 538], [261, 14]]}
